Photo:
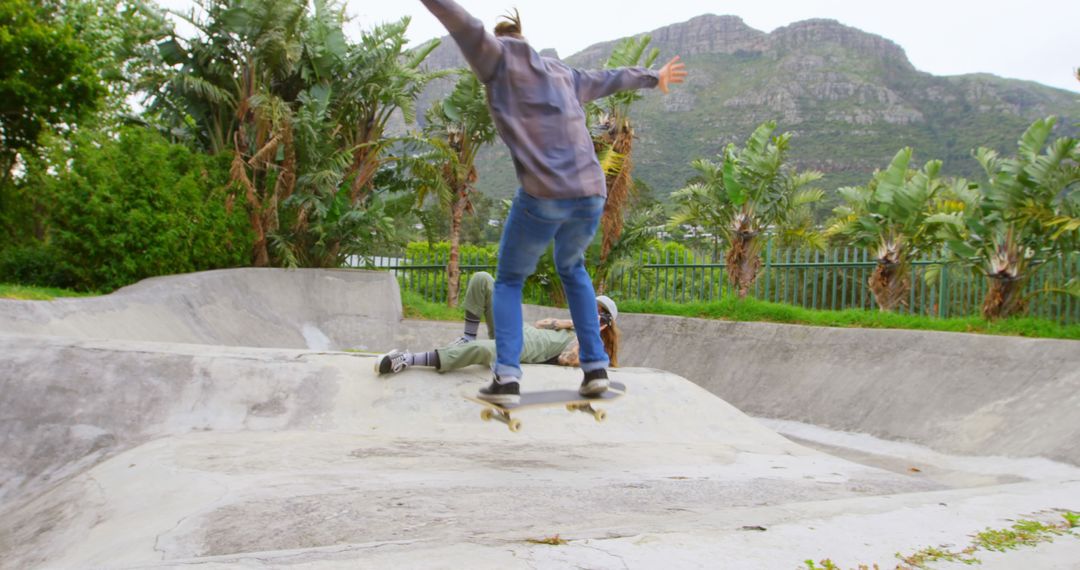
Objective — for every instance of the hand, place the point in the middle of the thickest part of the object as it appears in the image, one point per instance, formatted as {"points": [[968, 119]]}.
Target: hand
{"points": [[672, 73]]}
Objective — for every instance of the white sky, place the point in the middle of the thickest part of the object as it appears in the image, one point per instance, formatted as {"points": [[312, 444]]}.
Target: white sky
{"points": [[1030, 40]]}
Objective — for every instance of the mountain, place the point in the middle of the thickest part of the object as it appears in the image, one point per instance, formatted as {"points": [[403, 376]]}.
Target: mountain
{"points": [[850, 98]]}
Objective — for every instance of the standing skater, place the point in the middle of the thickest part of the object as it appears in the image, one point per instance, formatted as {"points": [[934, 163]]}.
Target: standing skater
{"points": [[537, 104]]}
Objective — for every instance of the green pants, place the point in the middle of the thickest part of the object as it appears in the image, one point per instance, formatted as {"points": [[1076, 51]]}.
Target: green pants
{"points": [[478, 296], [539, 346]]}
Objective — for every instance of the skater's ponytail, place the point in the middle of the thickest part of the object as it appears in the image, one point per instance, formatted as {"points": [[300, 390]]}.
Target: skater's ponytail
{"points": [[511, 27]]}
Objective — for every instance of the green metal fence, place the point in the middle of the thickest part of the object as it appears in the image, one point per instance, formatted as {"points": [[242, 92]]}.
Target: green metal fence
{"points": [[425, 274], [834, 279]]}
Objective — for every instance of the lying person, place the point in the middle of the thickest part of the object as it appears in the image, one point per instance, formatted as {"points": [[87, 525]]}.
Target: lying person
{"points": [[548, 341]]}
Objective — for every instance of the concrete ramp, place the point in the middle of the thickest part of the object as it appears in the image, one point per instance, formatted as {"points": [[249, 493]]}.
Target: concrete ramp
{"points": [[123, 453], [189, 421], [317, 309]]}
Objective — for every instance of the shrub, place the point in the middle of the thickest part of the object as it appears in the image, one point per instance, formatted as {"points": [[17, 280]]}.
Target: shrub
{"points": [[121, 209], [32, 265]]}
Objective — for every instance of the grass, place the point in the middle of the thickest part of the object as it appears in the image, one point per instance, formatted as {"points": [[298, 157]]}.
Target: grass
{"points": [[415, 307], [753, 310], [1023, 533], [731, 309], [26, 293]]}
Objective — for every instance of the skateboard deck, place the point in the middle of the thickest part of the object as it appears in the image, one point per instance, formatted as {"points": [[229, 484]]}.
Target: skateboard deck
{"points": [[570, 399]]}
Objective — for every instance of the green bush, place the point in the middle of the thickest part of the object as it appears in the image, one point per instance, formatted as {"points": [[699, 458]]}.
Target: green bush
{"points": [[124, 208], [32, 265], [441, 250]]}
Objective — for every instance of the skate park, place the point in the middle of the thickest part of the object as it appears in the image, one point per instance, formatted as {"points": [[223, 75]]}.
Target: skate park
{"points": [[233, 419]]}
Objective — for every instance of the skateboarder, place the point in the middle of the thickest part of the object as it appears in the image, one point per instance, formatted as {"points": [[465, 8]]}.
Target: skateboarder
{"points": [[549, 341], [537, 106]]}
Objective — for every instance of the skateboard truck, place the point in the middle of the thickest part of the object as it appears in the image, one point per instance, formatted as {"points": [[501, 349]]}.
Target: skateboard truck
{"points": [[597, 414], [489, 414]]}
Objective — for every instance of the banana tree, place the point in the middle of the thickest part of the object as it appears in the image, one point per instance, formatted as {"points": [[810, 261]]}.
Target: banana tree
{"points": [[234, 88], [750, 191], [375, 79], [614, 139], [319, 226], [1026, 213], [895, 216], [240, 87], [457, 128]]}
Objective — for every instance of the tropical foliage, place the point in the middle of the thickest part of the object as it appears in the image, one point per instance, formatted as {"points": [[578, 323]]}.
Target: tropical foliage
{"points": [[269, 136], [303, 113], [894, 216], [457, 128], [749, 192], [614, 141], [640, 230], [1026, 213]]}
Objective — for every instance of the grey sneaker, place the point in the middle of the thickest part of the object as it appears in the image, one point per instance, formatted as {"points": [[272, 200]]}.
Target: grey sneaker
{"points": [[459, 341], [392, 362], [594, 383]]}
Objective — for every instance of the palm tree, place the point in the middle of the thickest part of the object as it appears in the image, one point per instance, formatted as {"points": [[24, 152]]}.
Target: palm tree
{"points": [[749, 192], [1026, 213], [457, 128], [894, 214], [614, 140]]}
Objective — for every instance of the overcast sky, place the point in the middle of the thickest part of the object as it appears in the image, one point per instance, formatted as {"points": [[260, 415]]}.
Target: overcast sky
{"points": [[1038, 41]]}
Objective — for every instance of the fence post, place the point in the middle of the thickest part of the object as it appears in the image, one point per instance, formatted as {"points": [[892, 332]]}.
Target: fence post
{"points": [[943, 297], [768, 270]]}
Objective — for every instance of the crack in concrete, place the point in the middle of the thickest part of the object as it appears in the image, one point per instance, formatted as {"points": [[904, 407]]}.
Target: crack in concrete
{"points": [[589, 546], [218, 501]]}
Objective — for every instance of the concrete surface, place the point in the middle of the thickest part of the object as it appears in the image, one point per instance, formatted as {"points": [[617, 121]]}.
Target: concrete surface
{"points": [[957, 393], [208, 420]]}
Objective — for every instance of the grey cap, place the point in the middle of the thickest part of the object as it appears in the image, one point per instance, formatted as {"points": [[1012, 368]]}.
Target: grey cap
{"points": [[606, 302]]}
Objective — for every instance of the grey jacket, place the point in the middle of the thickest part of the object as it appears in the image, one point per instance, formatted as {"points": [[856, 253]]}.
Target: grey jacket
{"points": [[537, 104]]}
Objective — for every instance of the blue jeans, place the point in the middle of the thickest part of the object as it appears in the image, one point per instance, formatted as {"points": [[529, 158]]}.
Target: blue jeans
{"points": [[530, 227]]}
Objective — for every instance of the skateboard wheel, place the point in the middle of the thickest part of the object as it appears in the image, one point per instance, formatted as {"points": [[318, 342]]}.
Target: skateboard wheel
{"points": [[515, 425], [600, 415], [570, 407], [485, 415]]}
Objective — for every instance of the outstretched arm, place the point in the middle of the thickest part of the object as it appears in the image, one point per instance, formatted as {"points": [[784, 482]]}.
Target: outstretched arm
{"points": [[598, 84], [479, 47]]}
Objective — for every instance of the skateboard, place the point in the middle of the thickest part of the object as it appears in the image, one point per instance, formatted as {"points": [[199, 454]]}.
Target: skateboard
{"points": [[573, 402]]}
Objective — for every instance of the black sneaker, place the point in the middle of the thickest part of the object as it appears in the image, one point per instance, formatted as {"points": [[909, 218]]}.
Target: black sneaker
{"points": [[595, 383], [496, 393], [392, 362]]}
